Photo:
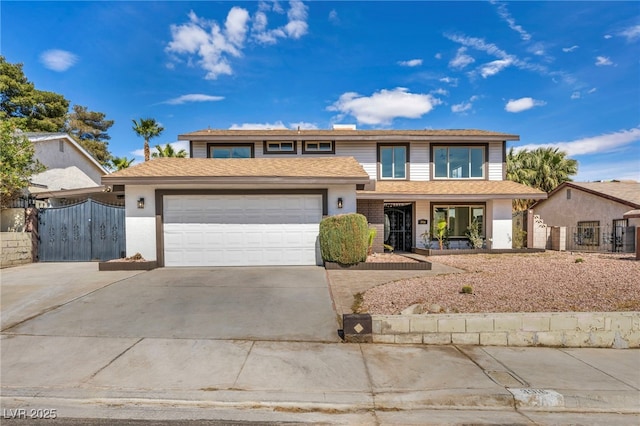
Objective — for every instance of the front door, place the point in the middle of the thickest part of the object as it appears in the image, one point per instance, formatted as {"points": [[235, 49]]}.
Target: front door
{"points": [[398, 231]]}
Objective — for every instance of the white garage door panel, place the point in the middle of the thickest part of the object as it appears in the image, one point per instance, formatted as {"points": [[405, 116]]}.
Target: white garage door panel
{"points": [[237, 230]]}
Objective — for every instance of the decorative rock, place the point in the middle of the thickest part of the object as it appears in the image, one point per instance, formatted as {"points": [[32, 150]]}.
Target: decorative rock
{"points": [[416, 309], [435, 309]]}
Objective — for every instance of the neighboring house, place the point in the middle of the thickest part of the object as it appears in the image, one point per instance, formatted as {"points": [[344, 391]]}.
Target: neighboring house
{"points": [[256, 197], [72, 174], [592, 212]]}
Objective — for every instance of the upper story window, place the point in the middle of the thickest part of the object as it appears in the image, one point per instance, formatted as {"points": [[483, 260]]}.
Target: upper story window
{"points": [[275, 147], [230, 150], [465, 162], [61, 145], [393, 161], [318, 147]]}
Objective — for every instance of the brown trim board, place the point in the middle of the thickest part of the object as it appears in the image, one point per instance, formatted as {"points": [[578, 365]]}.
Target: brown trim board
{"points": [[159, 201]]}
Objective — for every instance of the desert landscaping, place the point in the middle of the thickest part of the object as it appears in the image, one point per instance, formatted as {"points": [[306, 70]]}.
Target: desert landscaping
{"points": [[537, 282]]}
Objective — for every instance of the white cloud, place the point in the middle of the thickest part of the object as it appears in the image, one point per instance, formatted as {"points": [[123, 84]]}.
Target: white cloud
{"points": [[258, 126], [410, 63], [522, 104], [504, 59], [302, 125], [603, 61], [570, 49], [295, 28], [575, 95], [627, 170], [465, 106], [608, 36], [438, 55], [384, 106], [449, 80], [333, 17], [212, 46], [441, 92], [461, 59], [506, 16], [194, 97], [461, 107], [592, 90], [607, 142], [58, 60], [494, 67], [631, 33]]}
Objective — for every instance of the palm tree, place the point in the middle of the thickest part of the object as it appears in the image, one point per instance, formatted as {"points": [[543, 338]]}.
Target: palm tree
{"points": [[147, 128], [119, 163], [542, 168], [168, 151]]}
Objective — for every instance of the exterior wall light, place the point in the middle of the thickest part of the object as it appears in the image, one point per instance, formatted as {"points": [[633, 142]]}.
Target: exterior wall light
{"points": [[141, 203], [339, 203]]}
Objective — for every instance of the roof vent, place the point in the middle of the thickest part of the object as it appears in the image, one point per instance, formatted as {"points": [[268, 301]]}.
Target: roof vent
{"points": [[344, 127]]}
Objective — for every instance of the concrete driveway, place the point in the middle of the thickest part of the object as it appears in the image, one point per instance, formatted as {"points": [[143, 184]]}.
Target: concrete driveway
{"points": [[260, 303]]}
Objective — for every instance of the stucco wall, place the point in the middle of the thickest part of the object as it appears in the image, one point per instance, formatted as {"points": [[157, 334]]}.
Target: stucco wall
{"points": [[583, 206], [49, 154]]}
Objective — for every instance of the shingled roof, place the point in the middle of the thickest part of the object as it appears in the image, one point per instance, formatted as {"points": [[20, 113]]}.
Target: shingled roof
{"points": [[453, 189], [624, 192], [255, 170], [347, 134]]}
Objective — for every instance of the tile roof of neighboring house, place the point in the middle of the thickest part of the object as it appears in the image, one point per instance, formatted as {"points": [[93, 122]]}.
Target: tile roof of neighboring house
{"points": [[441, 189], [255, 170], [625, 192], [347, 134]]}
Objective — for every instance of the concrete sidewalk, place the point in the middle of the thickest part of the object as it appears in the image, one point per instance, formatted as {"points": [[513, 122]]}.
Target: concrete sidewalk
{"points": [[345, 383]]}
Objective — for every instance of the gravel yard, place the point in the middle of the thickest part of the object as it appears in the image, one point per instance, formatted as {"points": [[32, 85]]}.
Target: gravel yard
{"points": [[539, 282]]}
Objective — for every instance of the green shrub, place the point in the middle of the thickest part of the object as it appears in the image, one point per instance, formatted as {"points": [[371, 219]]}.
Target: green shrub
{"points": [[372, 236], [466, 289], [344, 239]]}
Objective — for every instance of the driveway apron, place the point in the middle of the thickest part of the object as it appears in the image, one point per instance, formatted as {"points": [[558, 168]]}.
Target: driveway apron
{"points": [[248, 303]]}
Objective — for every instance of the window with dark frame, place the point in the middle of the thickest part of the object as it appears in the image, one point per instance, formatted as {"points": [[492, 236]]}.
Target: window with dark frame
{"points": [[458, 218], [587, 233], [459, 162], [393, 161], [280, 147], [230, 150], [318, 147]]}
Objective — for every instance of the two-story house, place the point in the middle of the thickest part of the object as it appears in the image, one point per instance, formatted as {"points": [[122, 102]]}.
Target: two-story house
{"points": [[256, 197]]}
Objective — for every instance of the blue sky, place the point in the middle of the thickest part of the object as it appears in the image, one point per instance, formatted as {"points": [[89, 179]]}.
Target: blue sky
{"points": [[564, 74]]}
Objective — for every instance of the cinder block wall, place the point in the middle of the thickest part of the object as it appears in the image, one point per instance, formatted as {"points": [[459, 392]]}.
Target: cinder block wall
{"points": [[15, 248], [374, 211]]}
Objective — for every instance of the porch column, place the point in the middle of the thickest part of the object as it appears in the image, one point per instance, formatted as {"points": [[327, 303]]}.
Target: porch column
{"points": [[374, 212], [501, 224]]}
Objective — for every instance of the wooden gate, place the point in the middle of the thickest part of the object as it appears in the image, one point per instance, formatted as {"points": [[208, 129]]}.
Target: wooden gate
{"points": [[81, 232]]}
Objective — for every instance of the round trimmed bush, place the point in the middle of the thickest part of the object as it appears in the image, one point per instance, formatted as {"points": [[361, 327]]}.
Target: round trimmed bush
{"points": [[344, 238]]}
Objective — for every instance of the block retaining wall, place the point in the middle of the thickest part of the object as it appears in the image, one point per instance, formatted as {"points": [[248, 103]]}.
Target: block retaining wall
{"points": [[15, 248], [554, 329]]}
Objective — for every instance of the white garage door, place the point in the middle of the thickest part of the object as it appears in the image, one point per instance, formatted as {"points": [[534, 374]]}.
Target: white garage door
{"points": [[241, 230]]}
